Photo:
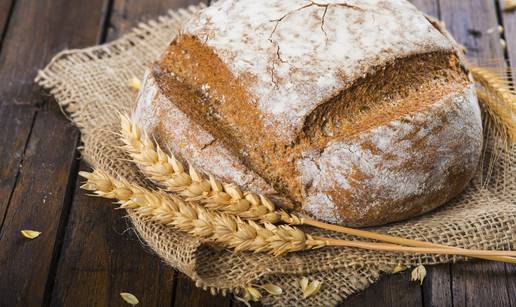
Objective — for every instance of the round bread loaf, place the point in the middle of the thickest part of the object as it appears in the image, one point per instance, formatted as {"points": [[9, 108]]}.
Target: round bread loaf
{"points": [[355, 112]]}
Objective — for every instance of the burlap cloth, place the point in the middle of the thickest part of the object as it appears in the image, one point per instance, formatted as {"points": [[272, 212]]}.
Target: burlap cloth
{"points": [[91, 85]]}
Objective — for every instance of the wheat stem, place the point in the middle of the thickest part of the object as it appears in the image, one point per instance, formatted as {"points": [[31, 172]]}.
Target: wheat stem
{"points": [[508, 255], [395, 240], [163, 169]]}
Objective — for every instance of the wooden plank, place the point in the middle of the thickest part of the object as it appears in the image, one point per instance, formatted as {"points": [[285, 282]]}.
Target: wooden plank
{"points": [[102, 257], [5, 11], [509, 24], [187, 294], [38, 203], [479, 283], [430, 7], [16, 125], [128, 13], [37, 30], [96, 257], [437, 286], [469, 22], [393, 290], [510, 274], [42, 193]]}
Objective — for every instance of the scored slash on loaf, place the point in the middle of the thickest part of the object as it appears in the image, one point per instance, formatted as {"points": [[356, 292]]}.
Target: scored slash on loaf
{"points": [[331, 107]]}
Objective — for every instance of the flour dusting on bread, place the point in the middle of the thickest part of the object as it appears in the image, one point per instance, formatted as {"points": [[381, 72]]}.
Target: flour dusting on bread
{"points": [[376, 166], [297, 59], [159, 117]]}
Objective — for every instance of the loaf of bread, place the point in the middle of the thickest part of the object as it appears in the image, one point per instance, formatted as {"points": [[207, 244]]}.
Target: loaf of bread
{"points": [[356, 112]]}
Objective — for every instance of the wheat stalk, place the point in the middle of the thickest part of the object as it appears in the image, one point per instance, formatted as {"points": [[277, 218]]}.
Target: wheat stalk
{"points": [[165, 171], [231, 231]]}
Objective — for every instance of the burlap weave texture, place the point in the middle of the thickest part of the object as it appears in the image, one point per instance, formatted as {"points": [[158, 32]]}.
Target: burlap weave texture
{"points": [[92, 87]]}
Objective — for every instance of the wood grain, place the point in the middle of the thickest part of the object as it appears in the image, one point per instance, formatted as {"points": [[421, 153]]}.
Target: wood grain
{"points": [[37, 30], [16, 126], [101, 254], [42, 190], [128, 13], [102, 257], [470, 22], [187, 294], [509, 24], [392, 291], [437, 290], [5, 11], [430, 7], [470, 288], [38, 203], [510, 274]]}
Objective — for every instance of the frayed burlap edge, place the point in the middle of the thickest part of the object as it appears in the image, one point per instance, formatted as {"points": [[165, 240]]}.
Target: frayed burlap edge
{"points": [[91, 85]]}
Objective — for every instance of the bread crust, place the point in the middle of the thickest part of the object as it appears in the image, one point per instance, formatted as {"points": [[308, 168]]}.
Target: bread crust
{"points": [[210, 103], [401, 169], [295, 55], [160, 118]]}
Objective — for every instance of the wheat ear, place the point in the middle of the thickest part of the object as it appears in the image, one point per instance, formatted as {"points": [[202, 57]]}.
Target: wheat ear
{"points": [[164, 170], [498, 100], [509, 5], [167, 172], [228, 230]]}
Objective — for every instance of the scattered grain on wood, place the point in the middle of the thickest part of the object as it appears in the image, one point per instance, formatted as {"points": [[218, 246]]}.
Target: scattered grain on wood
{"points": [[30, 234], [129, 298]]}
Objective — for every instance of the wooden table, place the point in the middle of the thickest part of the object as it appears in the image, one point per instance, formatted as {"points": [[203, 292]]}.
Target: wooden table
{"points": [[87, 253]]}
